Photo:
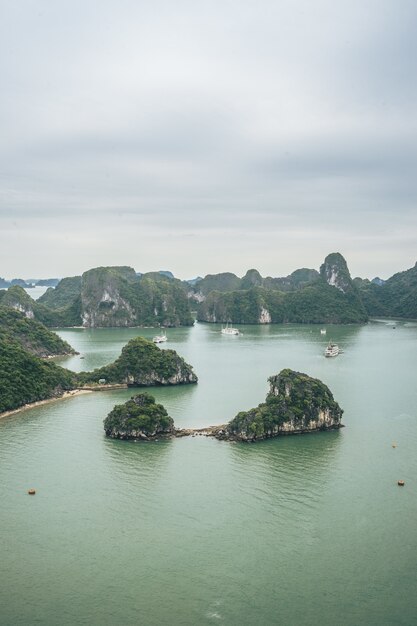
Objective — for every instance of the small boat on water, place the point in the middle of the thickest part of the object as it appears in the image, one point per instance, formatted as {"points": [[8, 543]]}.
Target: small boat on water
{"points": [[332, 349], [228, 330], [160, 338], [323, 331]]}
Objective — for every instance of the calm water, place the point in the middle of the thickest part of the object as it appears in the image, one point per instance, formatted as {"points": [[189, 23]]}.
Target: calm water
{"points": [[294, 531]]}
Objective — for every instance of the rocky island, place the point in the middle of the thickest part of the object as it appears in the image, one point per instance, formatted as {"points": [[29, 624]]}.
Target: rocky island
{"points": [[139, 418], [142, 364], [296, 403]]}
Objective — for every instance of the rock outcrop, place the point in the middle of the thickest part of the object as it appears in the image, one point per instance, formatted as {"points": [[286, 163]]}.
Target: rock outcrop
{"points": [[336, 273], [296, 403], [140, 418]]}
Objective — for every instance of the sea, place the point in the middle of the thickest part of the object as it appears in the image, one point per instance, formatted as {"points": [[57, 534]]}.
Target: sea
{"points": [[294, 531]]}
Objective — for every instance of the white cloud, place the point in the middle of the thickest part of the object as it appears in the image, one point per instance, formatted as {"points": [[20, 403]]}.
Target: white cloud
{"points": [[276, 127]]}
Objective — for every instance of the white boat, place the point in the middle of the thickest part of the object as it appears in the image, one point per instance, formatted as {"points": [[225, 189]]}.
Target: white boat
{"points": [[160, 338], [228, 330], [323, 331], [332, 350]]}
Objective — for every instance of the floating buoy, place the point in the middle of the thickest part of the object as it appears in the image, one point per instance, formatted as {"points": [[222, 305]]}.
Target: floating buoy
{"points": [[401, 483], [31, 492]]}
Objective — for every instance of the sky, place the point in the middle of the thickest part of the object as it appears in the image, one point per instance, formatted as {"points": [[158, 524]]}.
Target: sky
{"points": [[207, 136]]}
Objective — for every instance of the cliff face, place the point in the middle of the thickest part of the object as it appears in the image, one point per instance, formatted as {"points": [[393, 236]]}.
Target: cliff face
{"points": [[104, 297], [336, 273], [139, 418], [296, 403], [116, 296]]}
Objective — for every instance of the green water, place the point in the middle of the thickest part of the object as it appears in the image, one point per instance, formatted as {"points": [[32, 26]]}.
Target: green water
{"points": [[296, 531]]}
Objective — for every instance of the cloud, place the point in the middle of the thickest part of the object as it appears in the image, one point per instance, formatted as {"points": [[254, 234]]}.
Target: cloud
{"points": [[285, 124]]}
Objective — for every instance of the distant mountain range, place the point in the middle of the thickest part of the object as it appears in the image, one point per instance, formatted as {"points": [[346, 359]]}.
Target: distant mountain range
{"points": [[118, 296], [29, 282]]}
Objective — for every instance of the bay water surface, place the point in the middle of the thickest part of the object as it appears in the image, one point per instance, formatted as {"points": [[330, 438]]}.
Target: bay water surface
{"points": [[300, 530]]}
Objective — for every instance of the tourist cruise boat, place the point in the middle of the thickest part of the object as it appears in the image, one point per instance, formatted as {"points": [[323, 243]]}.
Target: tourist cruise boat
{"points": [[332, 350], [228, 330], [160, 338]]}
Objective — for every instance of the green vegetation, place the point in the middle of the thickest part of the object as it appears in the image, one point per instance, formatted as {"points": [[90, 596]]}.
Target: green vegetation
{"points": [[26, 378], [303, 297], [138, 418], [64, 294], [318, 303], [107, 296], [218, 282], [397, 297], [295, 403], [143, 364], [17, 298], [31, 334], [228, 282]]}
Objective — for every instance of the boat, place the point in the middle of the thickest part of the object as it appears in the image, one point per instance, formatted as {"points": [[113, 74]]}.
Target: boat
{"points": [[323, 331], [332, 349], [160, 338], [228, 330]]}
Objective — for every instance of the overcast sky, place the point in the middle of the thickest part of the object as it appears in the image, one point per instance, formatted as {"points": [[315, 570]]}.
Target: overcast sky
{"points": [[207, 136]]}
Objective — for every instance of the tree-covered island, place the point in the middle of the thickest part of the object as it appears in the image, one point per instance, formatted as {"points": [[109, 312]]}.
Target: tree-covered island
{"points": [[142, 364], [139, 418], [296, 403]]}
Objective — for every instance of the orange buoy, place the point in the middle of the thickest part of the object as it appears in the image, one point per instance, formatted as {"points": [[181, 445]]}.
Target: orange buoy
{"points": [[31, 492], [401, 483]]}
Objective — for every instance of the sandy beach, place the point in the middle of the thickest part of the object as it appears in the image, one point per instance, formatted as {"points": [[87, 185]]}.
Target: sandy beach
{"points": [[31, 405]]}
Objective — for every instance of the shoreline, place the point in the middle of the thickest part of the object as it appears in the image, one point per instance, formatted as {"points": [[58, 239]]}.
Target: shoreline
{"points": [[32, 405]]}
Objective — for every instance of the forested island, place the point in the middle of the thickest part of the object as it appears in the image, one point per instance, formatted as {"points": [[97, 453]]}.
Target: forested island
{"points": [[296, 403], [139, 418], [142, 364]]}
